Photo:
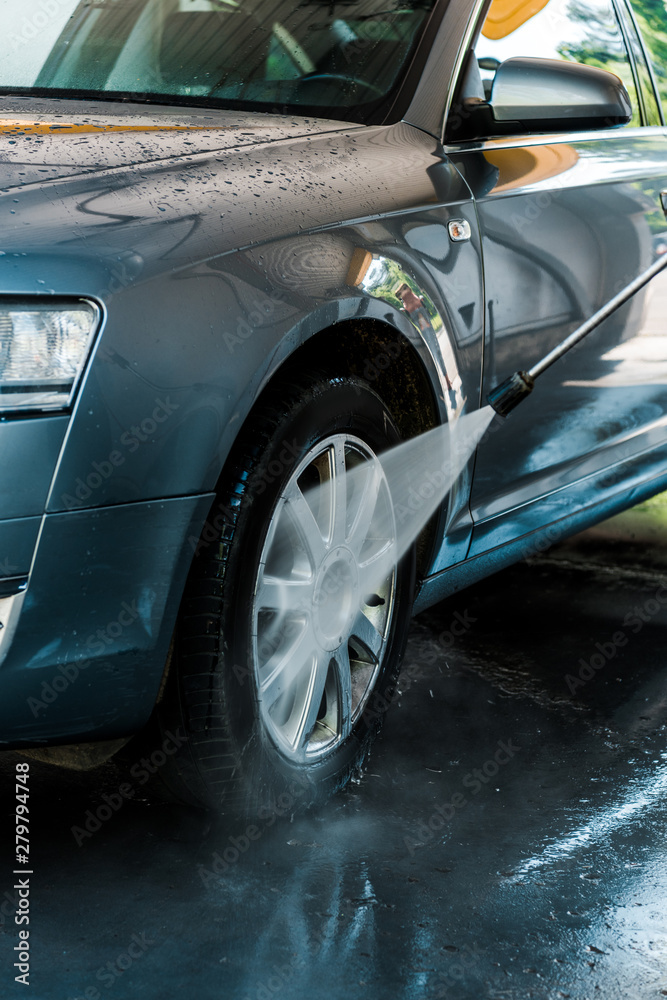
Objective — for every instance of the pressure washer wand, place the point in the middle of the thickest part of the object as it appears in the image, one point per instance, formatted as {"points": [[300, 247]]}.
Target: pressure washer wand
{"points": [[509, 393]]}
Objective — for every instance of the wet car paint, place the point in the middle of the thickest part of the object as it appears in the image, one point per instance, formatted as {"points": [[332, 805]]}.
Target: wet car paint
{"points": [[513, 846], [188, 377], [218, 245], [565, 225]]}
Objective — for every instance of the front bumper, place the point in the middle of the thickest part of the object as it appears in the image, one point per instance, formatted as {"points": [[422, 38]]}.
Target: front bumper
{"points": [[84, 656]]}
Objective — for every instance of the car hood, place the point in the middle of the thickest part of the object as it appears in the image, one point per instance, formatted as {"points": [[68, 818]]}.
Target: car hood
{"points": [[42, 140], [158, 190]]}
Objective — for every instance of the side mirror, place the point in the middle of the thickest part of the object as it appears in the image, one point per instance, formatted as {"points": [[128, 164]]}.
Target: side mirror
{"points": [[546, 95]]}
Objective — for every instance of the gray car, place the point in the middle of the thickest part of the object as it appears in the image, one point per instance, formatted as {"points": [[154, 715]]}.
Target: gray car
{"points": [[247, 249]]}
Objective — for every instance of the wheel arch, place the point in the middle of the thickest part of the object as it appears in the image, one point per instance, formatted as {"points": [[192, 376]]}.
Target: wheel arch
{"points": [[389, 360], [384, 357]]}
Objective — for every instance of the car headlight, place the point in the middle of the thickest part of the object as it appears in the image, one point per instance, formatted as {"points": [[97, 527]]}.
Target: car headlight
{"points": [[43, 351]]}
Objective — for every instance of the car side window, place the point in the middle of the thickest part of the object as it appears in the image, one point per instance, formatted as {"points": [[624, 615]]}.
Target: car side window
{"points": [[581, 31], [651, 17], [649, 101]]}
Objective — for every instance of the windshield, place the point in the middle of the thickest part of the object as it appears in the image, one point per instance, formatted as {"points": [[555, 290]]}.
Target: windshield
{"points": [[237, 53]]}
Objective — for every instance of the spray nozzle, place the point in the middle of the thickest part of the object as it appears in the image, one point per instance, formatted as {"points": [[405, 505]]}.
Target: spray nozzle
{"points": [[509, 393]]}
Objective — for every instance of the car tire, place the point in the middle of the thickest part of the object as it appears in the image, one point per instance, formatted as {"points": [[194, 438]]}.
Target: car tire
{"points": [[281, 664]]}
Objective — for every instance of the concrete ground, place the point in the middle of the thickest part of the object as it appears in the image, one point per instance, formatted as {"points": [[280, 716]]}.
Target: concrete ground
{"points": [[508, 840]]}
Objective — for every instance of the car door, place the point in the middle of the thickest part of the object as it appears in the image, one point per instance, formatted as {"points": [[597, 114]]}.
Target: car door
{"points": [[566, 220]]}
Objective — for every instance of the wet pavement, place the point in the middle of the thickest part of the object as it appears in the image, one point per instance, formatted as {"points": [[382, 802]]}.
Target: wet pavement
{"points": [[508, 839]]}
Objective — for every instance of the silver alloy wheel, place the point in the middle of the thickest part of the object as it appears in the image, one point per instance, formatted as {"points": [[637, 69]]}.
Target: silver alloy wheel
{"points": [[324, 598]]}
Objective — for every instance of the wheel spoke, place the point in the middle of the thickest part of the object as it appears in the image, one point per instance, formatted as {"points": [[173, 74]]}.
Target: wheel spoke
{"points": [[370, 489], [278, 594], [305, 524], [344, 678], [338, 494], [283, 668], [313, 700], [366, 633], [383, 552], [376, 567]]}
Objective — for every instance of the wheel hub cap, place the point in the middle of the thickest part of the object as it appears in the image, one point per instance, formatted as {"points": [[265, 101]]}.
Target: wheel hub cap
{"points": [[335, 598], [318, 638]]}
